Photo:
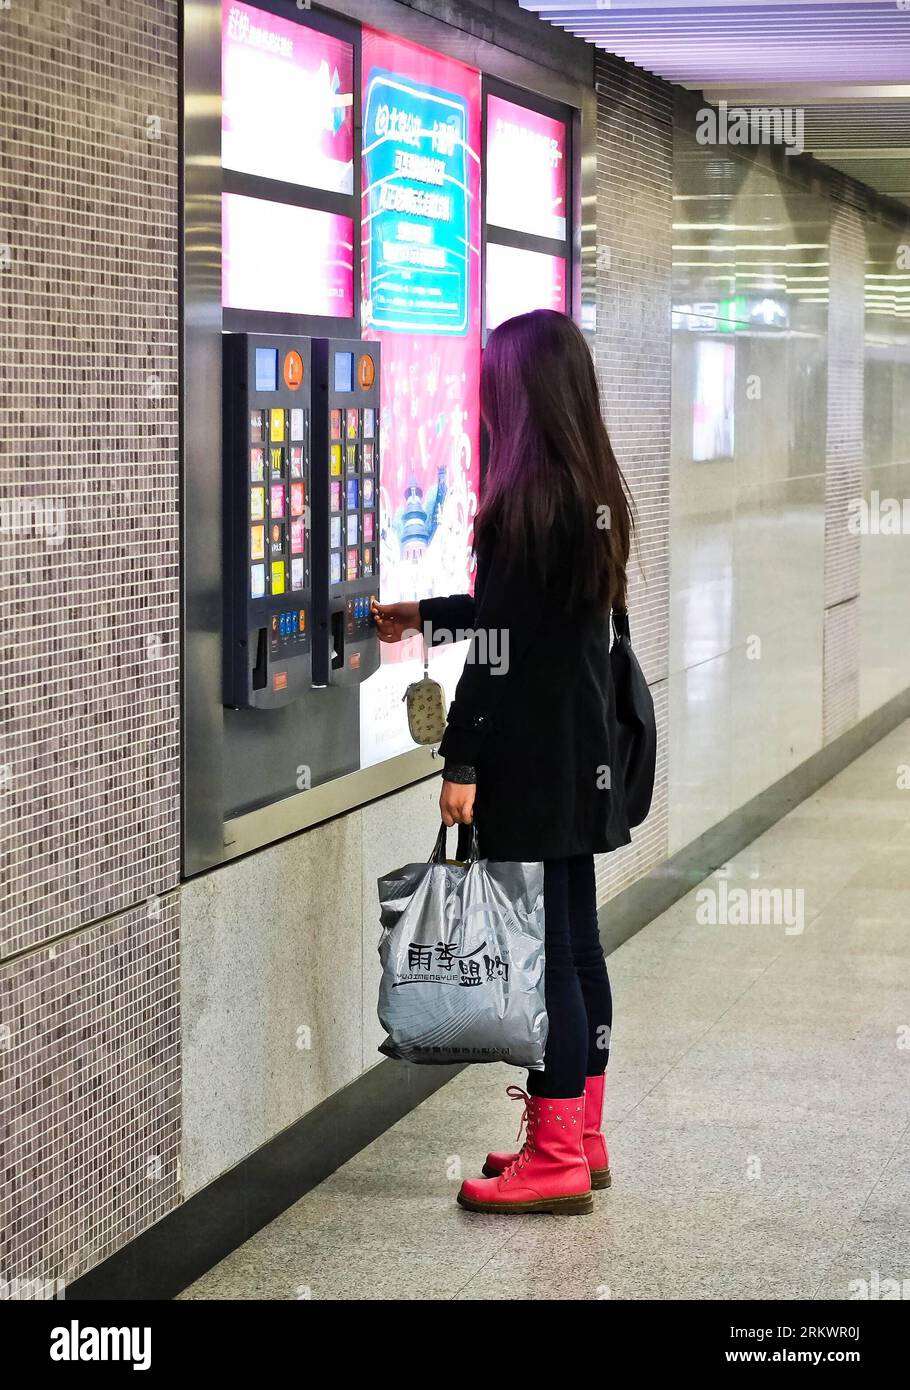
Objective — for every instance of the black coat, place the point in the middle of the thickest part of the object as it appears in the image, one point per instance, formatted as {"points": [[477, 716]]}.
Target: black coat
{"points": [[542, 735]]}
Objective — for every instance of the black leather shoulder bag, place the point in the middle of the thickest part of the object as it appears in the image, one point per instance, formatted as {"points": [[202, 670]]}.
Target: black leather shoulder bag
{"points": [[636, 724]]}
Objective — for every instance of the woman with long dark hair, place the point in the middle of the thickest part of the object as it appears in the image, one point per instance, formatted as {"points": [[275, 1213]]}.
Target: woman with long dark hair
{"points": [[531, 732]]}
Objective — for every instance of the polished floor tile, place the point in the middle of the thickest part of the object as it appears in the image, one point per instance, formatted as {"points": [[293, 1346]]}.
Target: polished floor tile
{"points": [[758, 1109]]}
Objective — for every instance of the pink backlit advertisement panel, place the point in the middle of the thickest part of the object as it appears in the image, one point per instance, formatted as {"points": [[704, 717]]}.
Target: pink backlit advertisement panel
{"points": [[526, 170], [287, 260], [287, 95], [421, 287], [518, 281], [421, 292]]}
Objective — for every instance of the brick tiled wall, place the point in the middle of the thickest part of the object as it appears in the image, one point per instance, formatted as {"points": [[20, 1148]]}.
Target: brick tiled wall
{"points": [[634, 217], [88, 481], [89, 1094], [89, 612]]}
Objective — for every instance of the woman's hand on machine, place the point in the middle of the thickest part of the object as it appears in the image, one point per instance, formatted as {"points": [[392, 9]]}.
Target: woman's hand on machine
{"points": [[456, 803], [395, 620]]}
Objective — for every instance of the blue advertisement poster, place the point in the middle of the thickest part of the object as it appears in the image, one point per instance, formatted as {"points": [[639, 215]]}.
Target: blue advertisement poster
{"points": [[416, 217]]}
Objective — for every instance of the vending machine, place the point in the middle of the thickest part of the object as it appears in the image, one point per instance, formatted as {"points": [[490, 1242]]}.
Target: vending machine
{"points": [[301, 509], [268, 551], [345, 496]]}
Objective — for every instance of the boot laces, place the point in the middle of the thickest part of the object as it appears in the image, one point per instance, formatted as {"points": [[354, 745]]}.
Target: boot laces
{"points": [[528, 1123]]}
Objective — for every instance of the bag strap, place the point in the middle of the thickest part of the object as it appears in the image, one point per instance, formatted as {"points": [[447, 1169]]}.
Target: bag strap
{"points": [[620, 618], [439, 849]]}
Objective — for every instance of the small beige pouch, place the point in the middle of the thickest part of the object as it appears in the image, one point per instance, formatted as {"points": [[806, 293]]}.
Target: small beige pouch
{"points": [[426, 704]]}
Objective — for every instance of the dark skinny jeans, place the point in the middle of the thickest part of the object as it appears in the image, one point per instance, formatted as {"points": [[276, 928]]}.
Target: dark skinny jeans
{"points": [[576, 983]]}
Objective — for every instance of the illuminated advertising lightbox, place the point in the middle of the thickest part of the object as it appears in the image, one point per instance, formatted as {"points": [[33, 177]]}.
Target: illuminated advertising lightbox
{"points": [[713, 408], [417, 199], [283, 259], [421, 292], [526, 170], [518, 281], [287, 100]]}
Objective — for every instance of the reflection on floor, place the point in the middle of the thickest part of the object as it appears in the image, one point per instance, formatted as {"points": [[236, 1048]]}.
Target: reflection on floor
{"points": [[758, 1106]]}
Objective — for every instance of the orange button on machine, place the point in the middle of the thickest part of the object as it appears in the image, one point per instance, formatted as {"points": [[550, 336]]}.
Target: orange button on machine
{"points": [[293, 370], [366, 371]]}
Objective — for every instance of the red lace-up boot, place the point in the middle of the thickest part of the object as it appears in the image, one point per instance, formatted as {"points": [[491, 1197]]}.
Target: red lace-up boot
{"points": [[550, 1172], [595, 1145]]}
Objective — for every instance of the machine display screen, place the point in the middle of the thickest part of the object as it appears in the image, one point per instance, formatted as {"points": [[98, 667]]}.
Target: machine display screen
{"points": [[344, 371], [284, 259], [519, 280], [526, 170], [287, 100], [266, 370]]}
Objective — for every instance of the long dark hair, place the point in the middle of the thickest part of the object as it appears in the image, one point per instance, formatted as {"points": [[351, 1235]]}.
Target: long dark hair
{"points": [[555, 498]]}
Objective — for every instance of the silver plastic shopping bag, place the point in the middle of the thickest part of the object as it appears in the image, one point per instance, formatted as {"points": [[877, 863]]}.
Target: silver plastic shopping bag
{"points": [[462, 953]]}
